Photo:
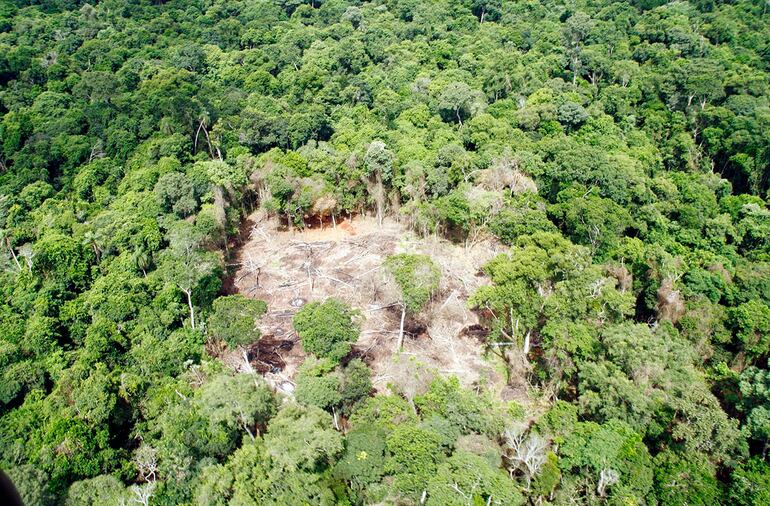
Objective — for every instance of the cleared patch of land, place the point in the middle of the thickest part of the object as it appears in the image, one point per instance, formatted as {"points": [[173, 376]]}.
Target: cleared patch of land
{"points": [[289, 268]]}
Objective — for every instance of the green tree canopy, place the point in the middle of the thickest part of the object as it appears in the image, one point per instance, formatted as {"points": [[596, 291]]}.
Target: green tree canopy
{"points": [[327, 329]]}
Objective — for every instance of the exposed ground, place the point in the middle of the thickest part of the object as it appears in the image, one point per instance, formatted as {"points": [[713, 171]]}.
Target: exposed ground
{"points": [[288, 268]]}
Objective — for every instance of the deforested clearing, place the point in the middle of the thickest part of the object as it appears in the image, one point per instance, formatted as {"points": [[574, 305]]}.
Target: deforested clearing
{"points": [[288, 268]]}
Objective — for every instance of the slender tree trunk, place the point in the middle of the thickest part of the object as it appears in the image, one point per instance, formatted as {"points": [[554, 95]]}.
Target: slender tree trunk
{"points": [[197, 133], [190, 305], [379, 198], [13, 254], [574, 62], [401, 329], [208, 141], [248, 431]]}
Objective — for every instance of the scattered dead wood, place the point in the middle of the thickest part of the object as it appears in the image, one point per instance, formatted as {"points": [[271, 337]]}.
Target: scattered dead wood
{"points": [[416, 329], [287, 268], [360, 353], [475, 331], [266, 354]]}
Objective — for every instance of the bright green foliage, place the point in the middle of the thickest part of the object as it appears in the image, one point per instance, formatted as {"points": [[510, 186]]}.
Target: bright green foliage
{"points": [[317, 385], [363, 462], [181, 432], [187, 267], [536, 258], [224, 174], [94, 397], [751, 483], [383, 412], [414, 455], [300, 438], [703, 426], [544, 275], [356, 384], [523, 216], [85, 454], [233, 319], [668, 395], [167, 356], [559, 420], [754, 387], [215, 481], [591, 220], [751, 322], [237, 402], [320, 384], [684, 481], [549, 477], [458, 102], [61, 259], [174, 192], [327, 329], [103, 489], [250, 478], [467, 479], [464, 410], [417, 277], [611, 446]]}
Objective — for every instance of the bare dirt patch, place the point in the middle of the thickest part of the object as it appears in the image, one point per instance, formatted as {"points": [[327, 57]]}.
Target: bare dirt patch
{"points": [[288, 269]]}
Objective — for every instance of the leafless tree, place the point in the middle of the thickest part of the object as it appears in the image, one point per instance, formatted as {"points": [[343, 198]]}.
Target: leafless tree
{"points": [[670, 304], [146, 460], [143, 493], [524, 451], [607, 478], [506, 173]]}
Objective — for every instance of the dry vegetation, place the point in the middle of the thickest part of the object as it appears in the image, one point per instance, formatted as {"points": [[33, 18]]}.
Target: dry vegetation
{"points": [[290, 268]]}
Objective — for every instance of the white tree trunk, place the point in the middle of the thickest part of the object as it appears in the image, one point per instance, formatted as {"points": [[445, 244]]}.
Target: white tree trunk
{"points": [[401, 329], [15, 259], [190, 305], [248, 431]]}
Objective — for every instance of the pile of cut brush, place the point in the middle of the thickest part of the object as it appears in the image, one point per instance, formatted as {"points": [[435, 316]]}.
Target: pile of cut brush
{"points": [[265, 354]]}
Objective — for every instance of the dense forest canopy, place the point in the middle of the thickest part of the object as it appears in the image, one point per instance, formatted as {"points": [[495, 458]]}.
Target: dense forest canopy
{"points": [[620, 149]]}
